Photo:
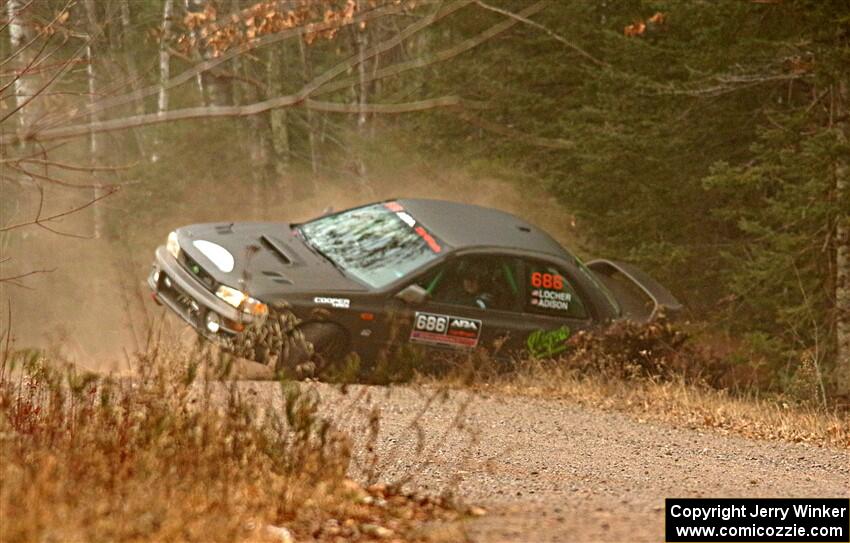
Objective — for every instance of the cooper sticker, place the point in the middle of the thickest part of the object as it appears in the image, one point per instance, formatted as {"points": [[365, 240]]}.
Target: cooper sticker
{"points": [[445, 330], [340, 303]]}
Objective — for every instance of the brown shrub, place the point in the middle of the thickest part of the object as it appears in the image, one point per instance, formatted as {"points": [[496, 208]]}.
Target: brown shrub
{"points": [[661, 351], [180, 452], [158, 457]]}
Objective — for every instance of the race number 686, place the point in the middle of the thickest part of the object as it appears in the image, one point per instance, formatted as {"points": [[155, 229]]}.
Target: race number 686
{"points": [[547, 280], [431, 323]]}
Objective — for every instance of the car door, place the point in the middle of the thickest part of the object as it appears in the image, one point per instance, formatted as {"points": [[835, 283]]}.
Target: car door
{"points": [[460, 315], [555, 305]]}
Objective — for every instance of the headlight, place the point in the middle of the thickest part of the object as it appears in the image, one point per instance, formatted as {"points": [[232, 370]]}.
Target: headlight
{"points": [[231, 295], [255, 307], [242, 301], [172, 246], [213, 322]]}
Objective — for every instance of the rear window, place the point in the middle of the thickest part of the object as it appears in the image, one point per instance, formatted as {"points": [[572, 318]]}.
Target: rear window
{"points": [[549, 291]]}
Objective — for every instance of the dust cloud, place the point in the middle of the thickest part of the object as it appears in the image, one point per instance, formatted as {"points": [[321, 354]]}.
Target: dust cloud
{"points": [[93, 308]]}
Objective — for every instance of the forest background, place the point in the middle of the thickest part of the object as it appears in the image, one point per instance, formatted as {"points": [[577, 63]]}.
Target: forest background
{"points": [[705, 141]]}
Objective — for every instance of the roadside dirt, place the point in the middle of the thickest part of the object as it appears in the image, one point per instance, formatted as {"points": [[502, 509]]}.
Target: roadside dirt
{"points": [[547, 470], [92, 306]]}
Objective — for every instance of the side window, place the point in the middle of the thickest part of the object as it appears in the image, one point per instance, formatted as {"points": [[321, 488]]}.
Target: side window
{"points": [[549, 291], [484, 282]]}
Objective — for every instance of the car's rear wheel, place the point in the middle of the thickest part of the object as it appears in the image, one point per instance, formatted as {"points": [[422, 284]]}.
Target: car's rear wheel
{"points": [[318, 347]]}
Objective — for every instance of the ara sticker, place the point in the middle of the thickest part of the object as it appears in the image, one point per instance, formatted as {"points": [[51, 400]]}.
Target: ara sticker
{"points": [[547, 343], [393, 206], [339, 303], [446, 330]]}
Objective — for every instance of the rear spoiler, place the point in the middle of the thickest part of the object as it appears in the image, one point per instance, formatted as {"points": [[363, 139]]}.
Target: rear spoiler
{"points": [[640, 296]]}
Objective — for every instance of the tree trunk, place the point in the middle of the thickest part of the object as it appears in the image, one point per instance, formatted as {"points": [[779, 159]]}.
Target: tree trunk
{"points": [[191, 7], [279, 124], [129, 58], [94, 144], [132, 69], [311, 121], [377, 89], [20, 33], [216, 90], [164, 56], [360, 39], [164, 68], [92, 85], [362, 96], [842, 253], [253, 133]]}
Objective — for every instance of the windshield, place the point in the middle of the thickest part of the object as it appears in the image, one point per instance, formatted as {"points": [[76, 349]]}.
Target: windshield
{"points": [[376, 244]]}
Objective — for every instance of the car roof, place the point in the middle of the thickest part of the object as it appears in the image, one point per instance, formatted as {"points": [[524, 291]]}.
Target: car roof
{"points": [[468, 226]]}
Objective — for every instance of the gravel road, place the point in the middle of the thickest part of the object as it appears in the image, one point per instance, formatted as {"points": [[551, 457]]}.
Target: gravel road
{"points": [[548, 470]]}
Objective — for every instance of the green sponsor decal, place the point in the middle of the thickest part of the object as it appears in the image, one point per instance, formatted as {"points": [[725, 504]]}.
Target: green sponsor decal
{"points": [[547, 343]]}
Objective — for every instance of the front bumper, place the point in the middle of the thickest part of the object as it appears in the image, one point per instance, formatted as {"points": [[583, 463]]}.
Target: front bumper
{"points": [[182, 292]]}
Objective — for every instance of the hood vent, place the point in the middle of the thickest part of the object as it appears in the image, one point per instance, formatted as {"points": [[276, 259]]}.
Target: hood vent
{"points": [[277, 247], [276, 277], [224, 229]]}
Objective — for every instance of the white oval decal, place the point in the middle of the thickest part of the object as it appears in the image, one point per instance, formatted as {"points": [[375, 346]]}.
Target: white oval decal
{"points": [[217, 254]]}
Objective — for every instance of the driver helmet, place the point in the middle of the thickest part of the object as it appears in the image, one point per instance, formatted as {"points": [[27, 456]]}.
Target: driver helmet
{"points": [[473, 270]]}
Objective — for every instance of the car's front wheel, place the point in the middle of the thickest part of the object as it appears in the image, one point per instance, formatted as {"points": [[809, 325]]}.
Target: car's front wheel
{"points": [[315, 348]]}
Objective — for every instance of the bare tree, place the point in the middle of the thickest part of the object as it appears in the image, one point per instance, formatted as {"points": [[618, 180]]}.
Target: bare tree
{"points": [[193, 8], [128, 40], [278, 118], [60, 129], [60, 125], [94, 31], [164, 62], [23, 57], [128, 34], [361, 42], [164, 56], [307, 70], [842, 237], [25, 163]]}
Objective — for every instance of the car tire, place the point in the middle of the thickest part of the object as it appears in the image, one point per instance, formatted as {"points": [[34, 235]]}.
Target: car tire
{"points": [[262, 354], [329, 345]]}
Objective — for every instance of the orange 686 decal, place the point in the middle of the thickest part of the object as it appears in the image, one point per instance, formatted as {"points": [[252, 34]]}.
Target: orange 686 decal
{"points": [[446, 330]]}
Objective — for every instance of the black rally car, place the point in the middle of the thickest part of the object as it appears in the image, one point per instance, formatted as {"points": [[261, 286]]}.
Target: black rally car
{"points": [[437, 274]]}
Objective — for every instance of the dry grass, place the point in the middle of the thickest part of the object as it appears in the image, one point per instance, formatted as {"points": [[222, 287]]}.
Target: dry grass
{"points": [[673, 402], [655, 372], [170, 457]]}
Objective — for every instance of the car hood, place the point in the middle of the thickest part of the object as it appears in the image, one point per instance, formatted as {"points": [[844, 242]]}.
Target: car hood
{"points": [[270, 260]]}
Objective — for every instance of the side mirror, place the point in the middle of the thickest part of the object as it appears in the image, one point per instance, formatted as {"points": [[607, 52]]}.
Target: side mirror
{"points": [[412, 294]]}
